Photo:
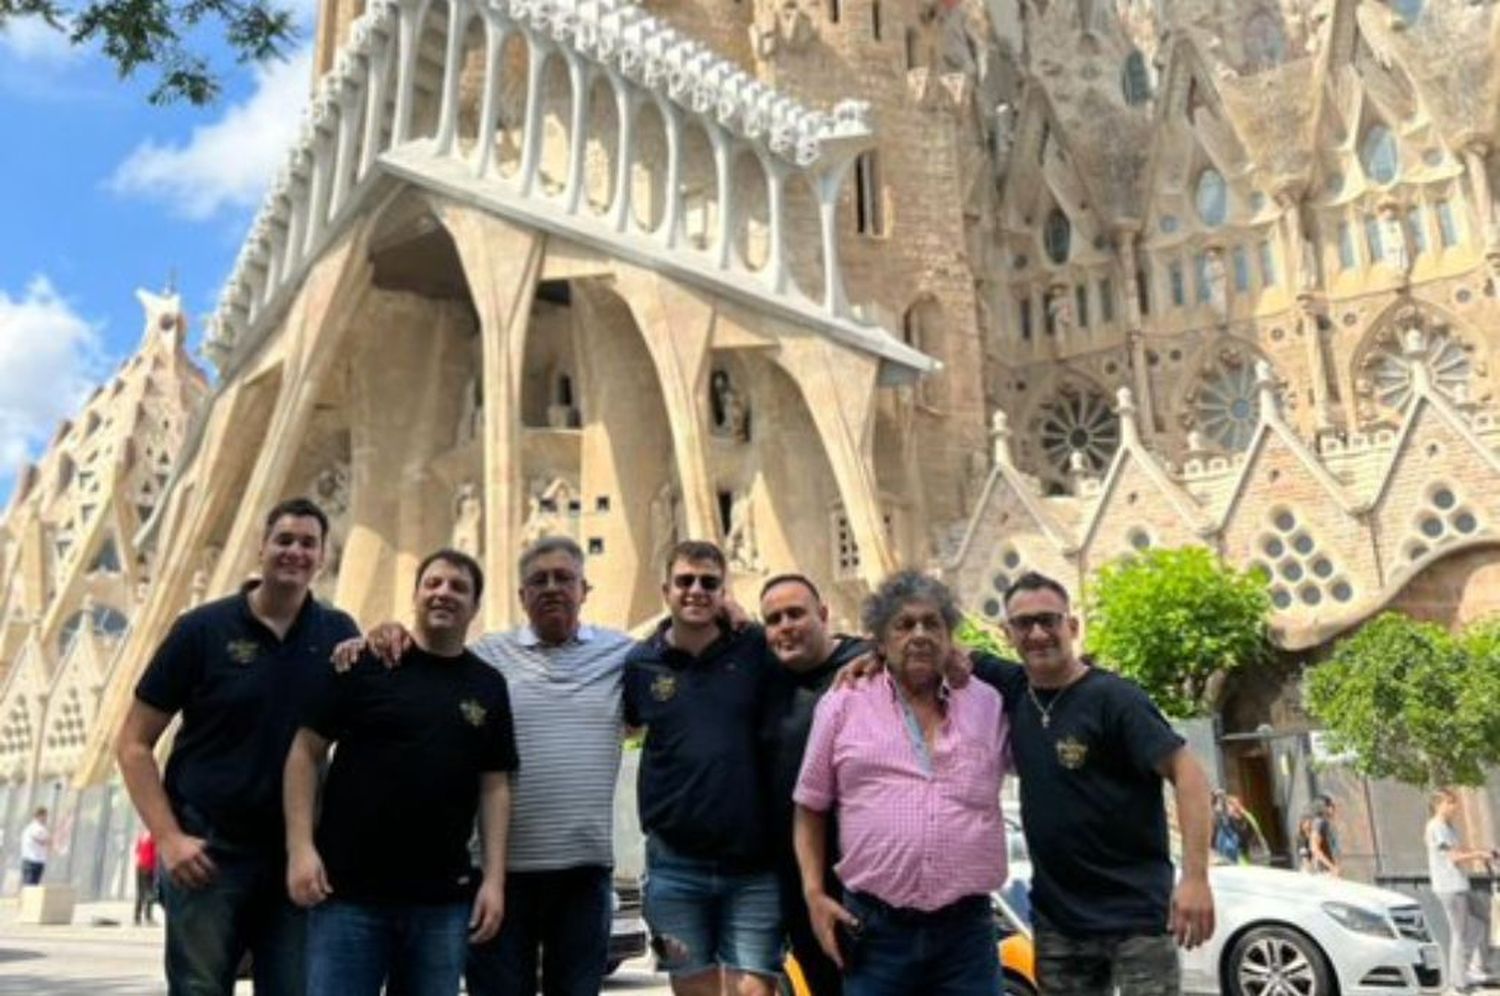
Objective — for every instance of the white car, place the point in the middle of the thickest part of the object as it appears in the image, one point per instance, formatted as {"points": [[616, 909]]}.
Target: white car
{"points": [[1284, 933]]}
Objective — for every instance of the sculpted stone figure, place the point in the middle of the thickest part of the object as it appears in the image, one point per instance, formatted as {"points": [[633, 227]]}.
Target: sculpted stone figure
{"points": [[468, 521]]}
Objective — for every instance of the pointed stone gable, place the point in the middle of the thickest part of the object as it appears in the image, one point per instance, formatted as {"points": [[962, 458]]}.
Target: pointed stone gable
{"points": [[1293, 522], [1440, 490], [1139, 507]]}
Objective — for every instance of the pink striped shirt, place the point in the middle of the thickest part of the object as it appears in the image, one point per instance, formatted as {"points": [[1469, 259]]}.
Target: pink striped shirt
{"points": [[914, 832]]}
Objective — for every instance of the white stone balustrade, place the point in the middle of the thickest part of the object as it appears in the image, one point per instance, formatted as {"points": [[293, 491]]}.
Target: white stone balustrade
{"points": [[392, 104]]}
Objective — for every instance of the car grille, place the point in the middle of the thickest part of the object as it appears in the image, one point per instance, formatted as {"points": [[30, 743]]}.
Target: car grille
{"points": [[1389, 976], [1410, 923]]}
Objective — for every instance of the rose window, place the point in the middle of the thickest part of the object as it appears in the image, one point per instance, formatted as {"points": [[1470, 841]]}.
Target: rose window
{"points": [[1080, 423], [1228, 406], [1389, 370]]}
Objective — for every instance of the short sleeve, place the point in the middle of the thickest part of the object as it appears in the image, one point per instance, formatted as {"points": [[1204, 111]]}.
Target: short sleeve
{"points": [[499, 753], [630, 695], [175, 670], [343, 626], [817, 783], [1006, 677], [1146, 736], [328, 707]]}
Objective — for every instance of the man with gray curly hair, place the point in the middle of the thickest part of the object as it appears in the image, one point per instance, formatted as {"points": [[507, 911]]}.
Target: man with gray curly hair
{"points": [[914, 768]]}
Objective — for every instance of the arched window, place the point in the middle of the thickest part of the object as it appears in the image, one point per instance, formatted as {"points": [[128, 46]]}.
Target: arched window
{"points": [[1265, 41], [1058, 236], [1212, 198], [1378, 156], [1136, 79]]}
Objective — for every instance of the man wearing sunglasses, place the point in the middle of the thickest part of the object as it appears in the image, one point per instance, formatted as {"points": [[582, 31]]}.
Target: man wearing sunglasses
{"points": [[1091, 751], [699, 687]]}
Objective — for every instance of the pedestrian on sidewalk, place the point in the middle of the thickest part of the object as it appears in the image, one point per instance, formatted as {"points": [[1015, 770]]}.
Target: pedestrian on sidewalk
{"points": [[1462, 906], [36, 840], [145, 876]]}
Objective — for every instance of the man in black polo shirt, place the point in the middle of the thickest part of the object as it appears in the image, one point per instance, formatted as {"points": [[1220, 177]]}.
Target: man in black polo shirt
{"points": [[699, 688], [238, 670], [1091, 751], [421, 748], [808, 658]]}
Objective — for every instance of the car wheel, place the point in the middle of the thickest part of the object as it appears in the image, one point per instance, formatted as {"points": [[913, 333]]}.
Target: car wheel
{"points": [[1277, 961], [611, 967]]}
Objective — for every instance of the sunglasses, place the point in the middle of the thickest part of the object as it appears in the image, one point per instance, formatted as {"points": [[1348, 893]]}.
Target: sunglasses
{"points": [[1047, 620], [708, 582]]}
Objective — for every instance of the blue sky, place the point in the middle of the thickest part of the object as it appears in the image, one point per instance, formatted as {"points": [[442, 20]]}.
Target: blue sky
{"points": [[102, 193]]}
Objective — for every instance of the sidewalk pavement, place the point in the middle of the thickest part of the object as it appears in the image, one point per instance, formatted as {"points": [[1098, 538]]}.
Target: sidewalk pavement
{"points": [[102, 954]]}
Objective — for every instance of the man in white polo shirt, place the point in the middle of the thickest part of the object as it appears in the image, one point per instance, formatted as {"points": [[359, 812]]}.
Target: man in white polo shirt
{"points": [[564, 680]]}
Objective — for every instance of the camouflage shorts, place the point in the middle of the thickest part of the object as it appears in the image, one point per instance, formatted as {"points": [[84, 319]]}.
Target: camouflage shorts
{"points": [[1135, 964]]}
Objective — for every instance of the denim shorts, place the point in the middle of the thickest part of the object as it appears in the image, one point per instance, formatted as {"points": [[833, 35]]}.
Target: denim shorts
{"points": [[705, 917]]}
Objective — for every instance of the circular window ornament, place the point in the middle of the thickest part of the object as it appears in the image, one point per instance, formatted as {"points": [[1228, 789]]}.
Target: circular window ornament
{"points": [[1390, 370], [1228, 406], [1079, 423]]}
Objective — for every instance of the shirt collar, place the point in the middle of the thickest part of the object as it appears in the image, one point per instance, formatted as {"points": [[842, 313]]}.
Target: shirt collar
{"points": [[526, 636], [945, 690]]}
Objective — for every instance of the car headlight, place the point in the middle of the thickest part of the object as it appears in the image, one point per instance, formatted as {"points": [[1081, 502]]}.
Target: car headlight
{"points": [[1360, 920], [614, 900]]}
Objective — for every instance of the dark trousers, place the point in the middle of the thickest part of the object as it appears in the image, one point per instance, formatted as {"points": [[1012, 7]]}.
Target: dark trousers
{"points": [[245, 908], [560, 919], [354, 949], [947, 952], [31, 872], [145, 893]]}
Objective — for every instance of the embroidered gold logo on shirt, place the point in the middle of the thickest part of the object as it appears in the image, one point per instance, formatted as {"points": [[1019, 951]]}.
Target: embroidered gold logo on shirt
{"points": [[664, 687], [243, 651], [1071, 753], [473, 712]]}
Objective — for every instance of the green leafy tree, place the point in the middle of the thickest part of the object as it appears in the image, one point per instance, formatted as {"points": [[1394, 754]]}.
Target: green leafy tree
{"points": [[1176, 621], [137, 33], [974, 635], [1411, 701]]}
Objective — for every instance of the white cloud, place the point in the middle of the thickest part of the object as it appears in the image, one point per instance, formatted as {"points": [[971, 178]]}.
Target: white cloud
{"points": [[33, 41], [50, 359], [229, 163]]}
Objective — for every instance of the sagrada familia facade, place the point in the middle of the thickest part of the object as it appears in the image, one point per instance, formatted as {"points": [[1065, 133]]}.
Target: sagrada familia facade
{"points": [[843, 284]]}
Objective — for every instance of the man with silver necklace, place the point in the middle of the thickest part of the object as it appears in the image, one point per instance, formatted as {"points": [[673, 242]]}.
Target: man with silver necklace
{"points": [[1091, 751]]}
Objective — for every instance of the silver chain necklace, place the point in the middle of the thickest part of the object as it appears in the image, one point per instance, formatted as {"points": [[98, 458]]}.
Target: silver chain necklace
{"points": [[1045, 711]]}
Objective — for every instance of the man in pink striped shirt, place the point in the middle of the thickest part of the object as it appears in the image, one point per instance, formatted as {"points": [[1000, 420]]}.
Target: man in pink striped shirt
{"points": [[914, 768]]}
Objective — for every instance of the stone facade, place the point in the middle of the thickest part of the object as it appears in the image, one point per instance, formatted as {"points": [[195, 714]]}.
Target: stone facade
{"points": [[847, 284]]}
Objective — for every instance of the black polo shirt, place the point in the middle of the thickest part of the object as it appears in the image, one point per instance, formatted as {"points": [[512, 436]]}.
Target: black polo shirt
{"points": [[403, 788], [701, 784], [1091, 799], [240, 690]]}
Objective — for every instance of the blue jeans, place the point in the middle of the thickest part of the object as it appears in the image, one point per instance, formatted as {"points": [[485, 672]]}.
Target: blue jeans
{"points": [[705, 915], [566, 913], [353, 949], [31, 872], [245, 908], [948, 952]]}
